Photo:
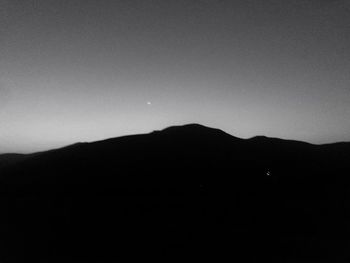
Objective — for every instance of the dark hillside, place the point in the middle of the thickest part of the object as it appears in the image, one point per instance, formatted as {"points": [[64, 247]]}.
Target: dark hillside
{"points": [[183, 192]]}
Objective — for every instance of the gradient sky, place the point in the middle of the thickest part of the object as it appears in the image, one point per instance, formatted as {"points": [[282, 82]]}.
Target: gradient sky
{"points": [[83, 70]]}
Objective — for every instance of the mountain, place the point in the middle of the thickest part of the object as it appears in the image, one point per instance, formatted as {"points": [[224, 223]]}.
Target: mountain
{"points": [[185, 192], [10, 158]]}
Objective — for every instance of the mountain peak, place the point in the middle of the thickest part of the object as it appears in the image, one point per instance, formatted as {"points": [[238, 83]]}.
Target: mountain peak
{"points": [[191, 128], [196, 126], [194, 130]]}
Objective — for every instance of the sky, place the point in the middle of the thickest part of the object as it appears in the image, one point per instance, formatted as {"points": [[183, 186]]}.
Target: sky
{"points": [[85, 70]]}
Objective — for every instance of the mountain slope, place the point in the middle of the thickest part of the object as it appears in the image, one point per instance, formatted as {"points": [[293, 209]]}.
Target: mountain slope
{"points": [[186, 191]]}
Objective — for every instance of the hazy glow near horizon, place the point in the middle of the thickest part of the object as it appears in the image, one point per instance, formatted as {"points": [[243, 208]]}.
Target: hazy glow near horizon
{"points": [[87, 70]]}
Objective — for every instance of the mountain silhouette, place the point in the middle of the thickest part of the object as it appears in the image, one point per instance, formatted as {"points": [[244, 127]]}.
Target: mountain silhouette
{"points": [[185, 192]]}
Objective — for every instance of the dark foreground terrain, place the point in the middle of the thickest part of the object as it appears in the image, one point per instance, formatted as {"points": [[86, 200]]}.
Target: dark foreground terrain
{"points": [[183, 193]]}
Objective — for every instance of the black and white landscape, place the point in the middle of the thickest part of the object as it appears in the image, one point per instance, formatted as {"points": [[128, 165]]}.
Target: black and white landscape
{"points": [[185, 192], [154, 76]]}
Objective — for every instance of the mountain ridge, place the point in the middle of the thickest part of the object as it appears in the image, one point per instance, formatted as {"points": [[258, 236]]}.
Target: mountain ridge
{"points": [[190, 129], [186, 191]]}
